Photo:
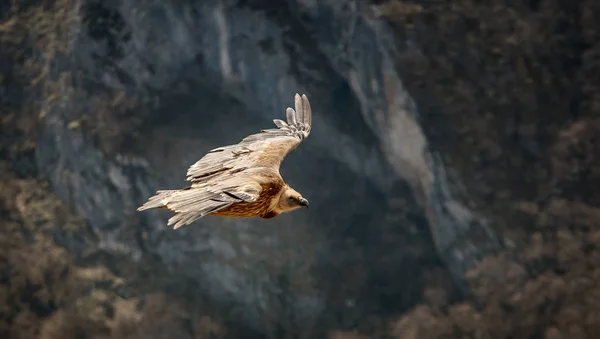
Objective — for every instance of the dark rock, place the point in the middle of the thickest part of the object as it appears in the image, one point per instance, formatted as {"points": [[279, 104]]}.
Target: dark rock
{"points": [[148, 88]]}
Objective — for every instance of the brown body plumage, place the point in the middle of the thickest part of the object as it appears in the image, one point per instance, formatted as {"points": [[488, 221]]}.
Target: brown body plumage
{"points": [[263, 206], [241, 180]]}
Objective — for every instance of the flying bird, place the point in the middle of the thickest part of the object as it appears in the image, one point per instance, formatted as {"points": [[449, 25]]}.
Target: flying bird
{"points": [[241, 180]]}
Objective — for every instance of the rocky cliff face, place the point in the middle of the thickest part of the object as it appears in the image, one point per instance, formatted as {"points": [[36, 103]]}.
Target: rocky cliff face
{"points": [[134, 93], [412, 163]]}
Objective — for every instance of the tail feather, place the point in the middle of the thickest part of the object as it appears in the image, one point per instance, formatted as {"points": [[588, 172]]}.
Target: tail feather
{"points": [[159, 200], [189, 204]]}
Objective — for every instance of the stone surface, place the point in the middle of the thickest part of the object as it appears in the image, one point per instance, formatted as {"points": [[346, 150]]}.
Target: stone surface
{"points": [[144, 88]]}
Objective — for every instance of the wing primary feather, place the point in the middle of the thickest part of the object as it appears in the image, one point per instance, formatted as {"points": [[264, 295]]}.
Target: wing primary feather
{"points": [[299, 109], [280, 123], [290, 115], [307, 111]]}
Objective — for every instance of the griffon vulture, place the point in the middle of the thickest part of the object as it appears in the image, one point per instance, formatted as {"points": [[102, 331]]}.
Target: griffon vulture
{"points": [[241, 180]]}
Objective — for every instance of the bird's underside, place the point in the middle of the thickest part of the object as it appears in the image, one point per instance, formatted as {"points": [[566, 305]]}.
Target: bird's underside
{"points": [[241, 180], [262, 207]]}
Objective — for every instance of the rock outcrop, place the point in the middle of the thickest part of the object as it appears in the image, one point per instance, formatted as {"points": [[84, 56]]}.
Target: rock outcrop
{"points": [[133, 93], [426, 119]]}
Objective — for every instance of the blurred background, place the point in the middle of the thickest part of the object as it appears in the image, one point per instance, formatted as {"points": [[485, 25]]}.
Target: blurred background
{"points": [[451, 169]]}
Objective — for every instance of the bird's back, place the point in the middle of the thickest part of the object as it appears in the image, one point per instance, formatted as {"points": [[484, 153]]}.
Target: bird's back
{"points": [[271, 187]]}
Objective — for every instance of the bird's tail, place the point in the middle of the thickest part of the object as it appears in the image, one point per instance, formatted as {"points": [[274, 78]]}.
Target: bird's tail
{"points": [[189, 204], [159, 200]]}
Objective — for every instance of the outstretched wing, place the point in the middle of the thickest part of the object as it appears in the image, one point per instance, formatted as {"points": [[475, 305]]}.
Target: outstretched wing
{"points": [[265, 149], [236, 173]]}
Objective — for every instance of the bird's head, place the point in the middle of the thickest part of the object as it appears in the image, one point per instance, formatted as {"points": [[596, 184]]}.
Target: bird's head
{"points": [[290, 200]]}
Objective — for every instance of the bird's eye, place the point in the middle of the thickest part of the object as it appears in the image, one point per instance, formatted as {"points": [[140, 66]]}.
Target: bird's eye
{"points": [[291, 199]]}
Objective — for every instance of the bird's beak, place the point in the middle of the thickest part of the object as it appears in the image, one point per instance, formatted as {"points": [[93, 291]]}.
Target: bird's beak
{"points": [[303, 202]]}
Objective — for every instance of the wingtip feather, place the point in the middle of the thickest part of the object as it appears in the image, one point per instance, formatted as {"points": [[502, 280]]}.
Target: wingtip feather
{"points": [[303, 109], [307, 110], [299, 109], [290, 115], [280, 123]]}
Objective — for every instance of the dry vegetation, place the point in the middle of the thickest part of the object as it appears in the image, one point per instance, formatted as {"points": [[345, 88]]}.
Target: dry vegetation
{"points": [[517, 93], [44, 292], [39, 37], [34, 36]]}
